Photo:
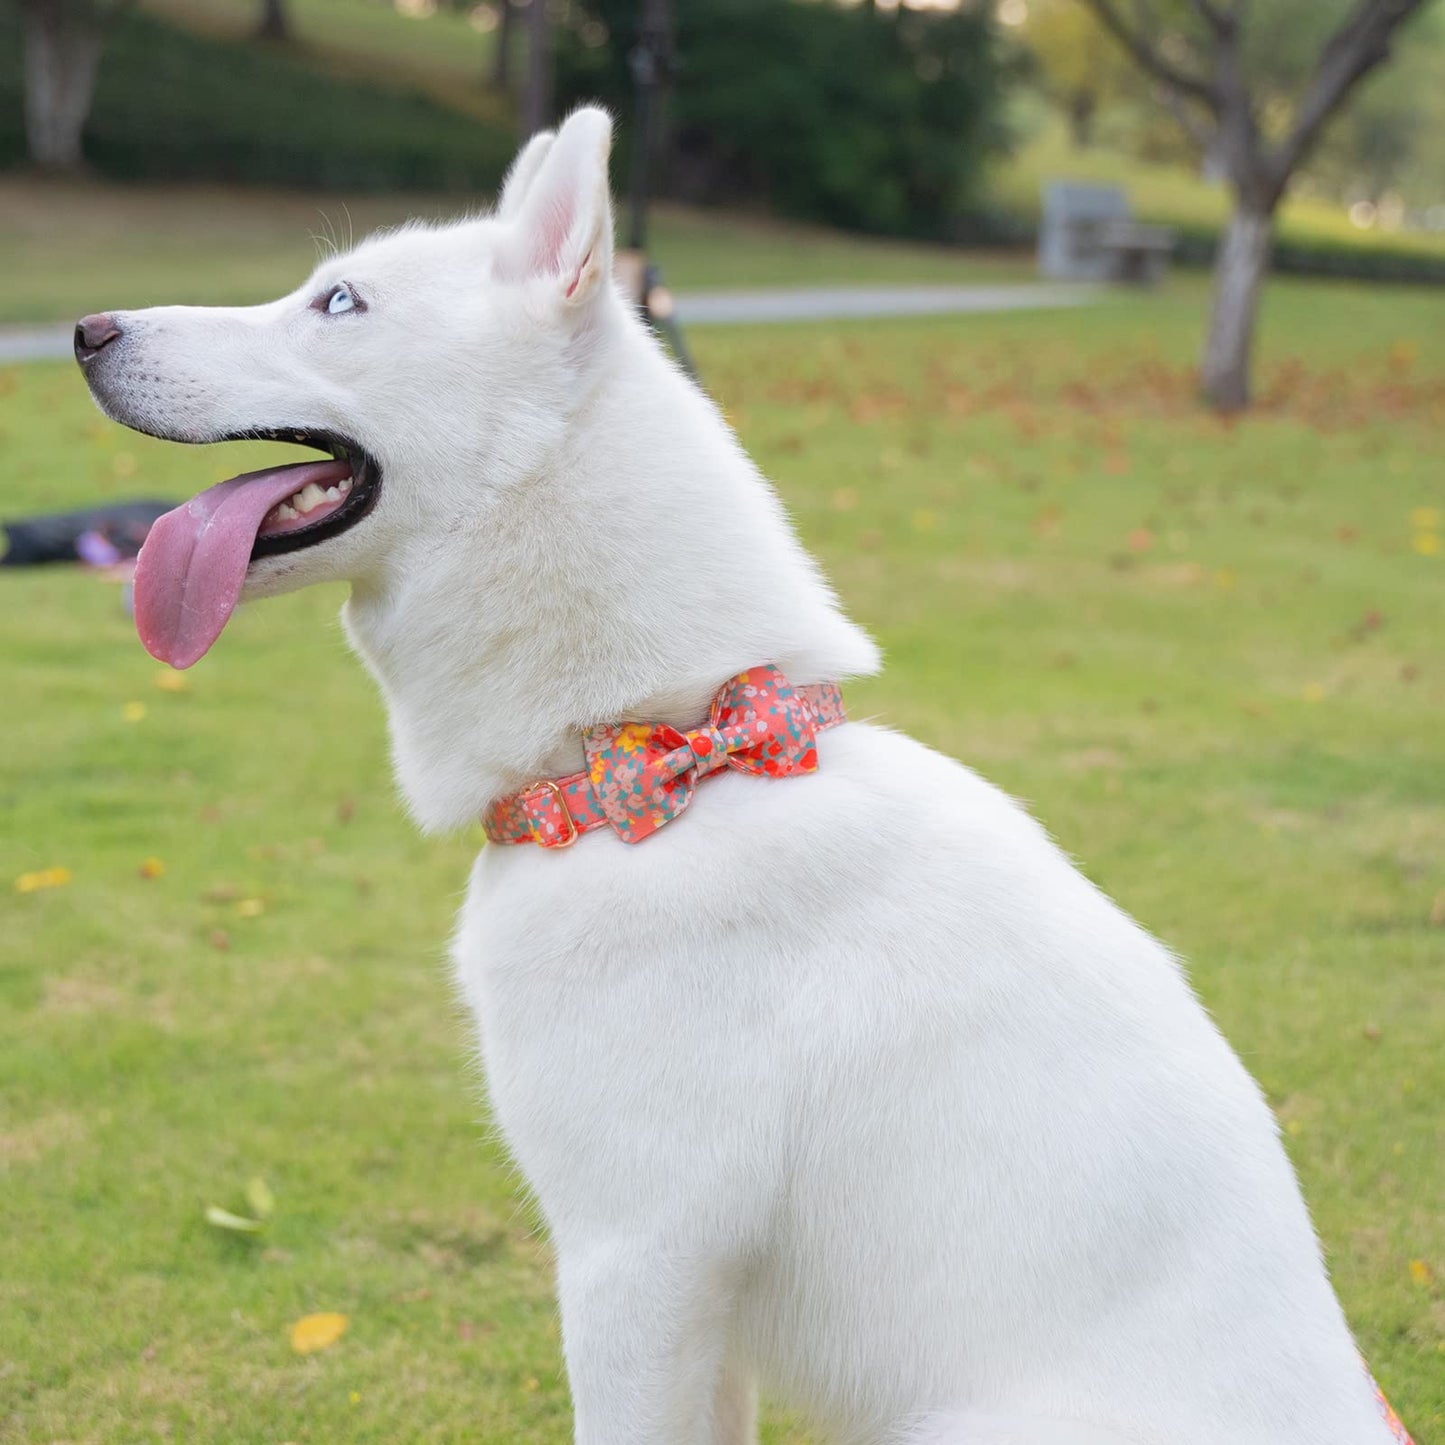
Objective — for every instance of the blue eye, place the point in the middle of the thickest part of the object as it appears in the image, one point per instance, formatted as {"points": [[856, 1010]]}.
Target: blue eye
{"points": [[340, 299]]}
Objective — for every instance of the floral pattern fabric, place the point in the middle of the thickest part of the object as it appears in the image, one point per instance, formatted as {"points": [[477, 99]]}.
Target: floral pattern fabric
{"points": [[642, 775]]}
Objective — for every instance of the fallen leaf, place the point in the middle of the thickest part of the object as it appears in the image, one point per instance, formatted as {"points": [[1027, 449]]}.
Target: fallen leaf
{"points": [[1402, 355], [133, 712], [1372, 1032], [317, 1332], [1421, 1273], [1048, 521], [260, 1198], [219, 939], [44, 878], [152, 868], [236, 1223], [1141, 539]]}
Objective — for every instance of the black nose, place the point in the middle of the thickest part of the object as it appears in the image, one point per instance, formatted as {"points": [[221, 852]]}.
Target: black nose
{"points": [[92, 335]]}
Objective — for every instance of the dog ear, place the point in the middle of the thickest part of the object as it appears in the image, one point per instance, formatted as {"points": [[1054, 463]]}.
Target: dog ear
{"points": [[562, 226], [522, 173]]}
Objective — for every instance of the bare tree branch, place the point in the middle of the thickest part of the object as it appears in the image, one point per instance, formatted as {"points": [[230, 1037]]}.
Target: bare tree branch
{"points": [[1221, 22], [1360, 44], [1151, 59], [1197, 129]]}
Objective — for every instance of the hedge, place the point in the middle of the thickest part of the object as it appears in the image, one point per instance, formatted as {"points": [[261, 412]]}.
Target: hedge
{"points": [[172, 105]]}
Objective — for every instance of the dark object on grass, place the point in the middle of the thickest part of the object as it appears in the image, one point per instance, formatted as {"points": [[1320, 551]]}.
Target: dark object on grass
{"points": [[98, 535]]}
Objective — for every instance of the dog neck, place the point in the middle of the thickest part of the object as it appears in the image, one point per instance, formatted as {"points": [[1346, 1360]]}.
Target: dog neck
{"points": [[645, 562]]}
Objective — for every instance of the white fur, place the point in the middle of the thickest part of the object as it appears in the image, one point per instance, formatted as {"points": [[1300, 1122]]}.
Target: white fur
{"points": [[847, 1084]]}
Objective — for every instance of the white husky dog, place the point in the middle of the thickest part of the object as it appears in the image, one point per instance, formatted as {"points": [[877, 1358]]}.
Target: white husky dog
{"points": [[847, 1085]]}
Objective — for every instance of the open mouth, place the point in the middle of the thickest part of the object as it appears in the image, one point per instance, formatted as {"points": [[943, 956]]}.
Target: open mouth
{"points": [[191, 570], [325, 502]]}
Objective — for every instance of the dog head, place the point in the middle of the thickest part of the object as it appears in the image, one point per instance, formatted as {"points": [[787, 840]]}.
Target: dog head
{"points": [[489, 323]]}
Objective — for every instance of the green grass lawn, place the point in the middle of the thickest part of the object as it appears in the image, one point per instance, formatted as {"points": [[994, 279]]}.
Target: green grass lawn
{"points": [[1207, 654], [216, 246]]}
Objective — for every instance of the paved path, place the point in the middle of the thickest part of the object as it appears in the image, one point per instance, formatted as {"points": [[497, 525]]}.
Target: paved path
{"points": [[35, 343], [839, 303], [704, 308]]}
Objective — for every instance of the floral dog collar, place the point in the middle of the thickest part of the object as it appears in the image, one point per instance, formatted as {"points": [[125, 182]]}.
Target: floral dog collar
{"points": [[642, 775]]}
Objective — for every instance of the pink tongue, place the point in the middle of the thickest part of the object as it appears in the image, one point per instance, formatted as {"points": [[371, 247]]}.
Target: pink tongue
{"points": [[189, 574]]}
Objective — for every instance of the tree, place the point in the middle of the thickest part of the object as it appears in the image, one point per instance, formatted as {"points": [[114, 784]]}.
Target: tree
{"points": [[274, 22], [502, 54], [1202, 56], [62, 43], [1078, 64], [537, 96]]}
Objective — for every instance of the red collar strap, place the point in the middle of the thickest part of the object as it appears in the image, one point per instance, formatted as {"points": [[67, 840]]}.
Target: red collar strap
{"points": [[642, 775]]}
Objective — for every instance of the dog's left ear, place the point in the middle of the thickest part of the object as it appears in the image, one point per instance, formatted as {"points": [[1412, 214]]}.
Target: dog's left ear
{"points": [[522, 174], [562, 227]]}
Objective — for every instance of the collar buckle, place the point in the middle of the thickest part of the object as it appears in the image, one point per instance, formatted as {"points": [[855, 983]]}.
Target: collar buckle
{"points": [[553, 789]]}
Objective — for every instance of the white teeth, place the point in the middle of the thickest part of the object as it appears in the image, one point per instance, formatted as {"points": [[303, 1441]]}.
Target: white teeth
{"points": [[285, 513], [309, 497], [345, 486], [331, 494]]}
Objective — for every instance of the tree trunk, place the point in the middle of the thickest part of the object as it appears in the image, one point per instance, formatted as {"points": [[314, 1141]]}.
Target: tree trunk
{"points": [[1238, 271], [1082, 104], [1214, 160], [537, 103], [274, 23], [62, 44], [502, 55]]}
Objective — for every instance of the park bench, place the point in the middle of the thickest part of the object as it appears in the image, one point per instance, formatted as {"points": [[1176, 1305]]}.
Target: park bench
{"points": [[1086, 233]]}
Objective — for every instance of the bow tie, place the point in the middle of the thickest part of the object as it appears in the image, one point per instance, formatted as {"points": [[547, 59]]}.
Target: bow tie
{"points": [[642, 775]]}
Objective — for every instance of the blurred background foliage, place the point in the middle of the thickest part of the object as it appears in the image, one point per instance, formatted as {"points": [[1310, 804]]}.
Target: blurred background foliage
{"points": [[928, 123], [227, 107], [880, 122]]}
